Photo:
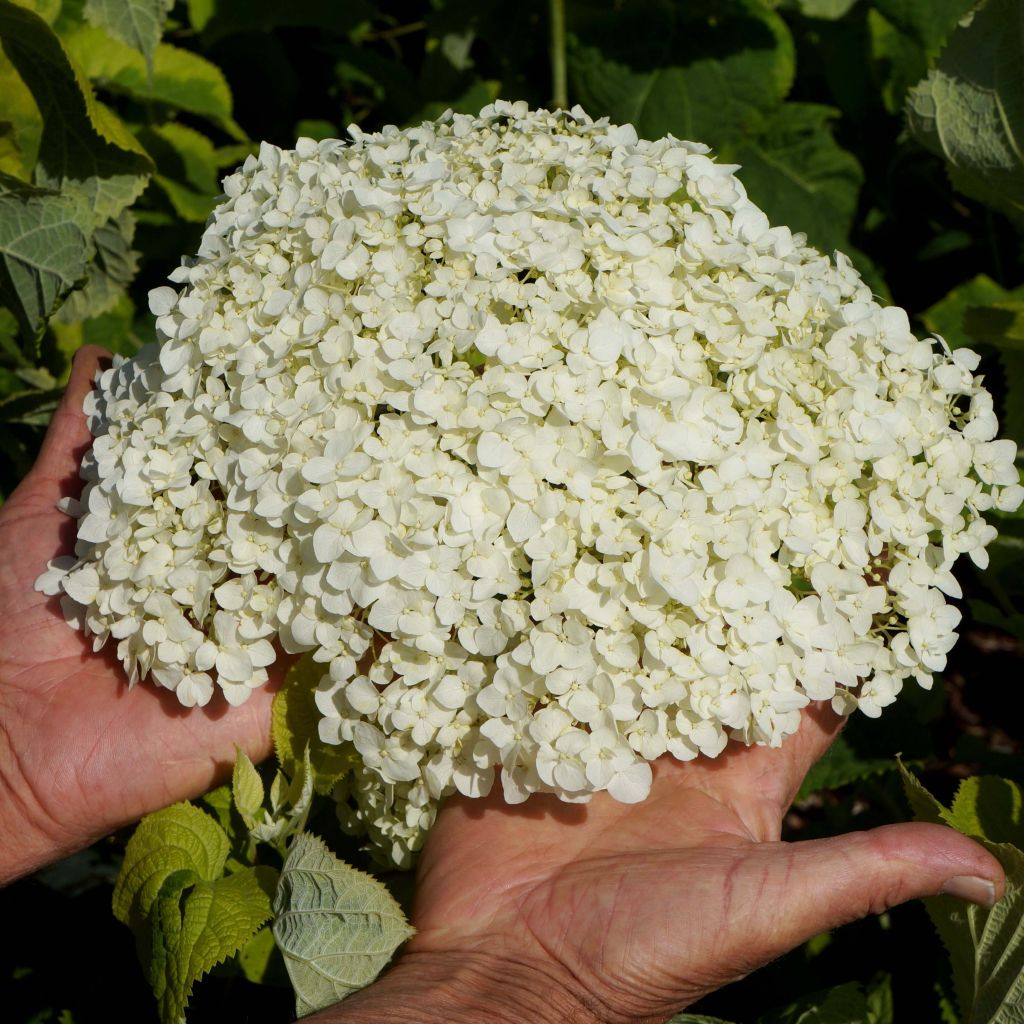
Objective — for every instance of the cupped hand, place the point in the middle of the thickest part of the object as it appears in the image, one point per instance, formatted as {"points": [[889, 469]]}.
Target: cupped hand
{"points": [[626, 913], [80, 754]]}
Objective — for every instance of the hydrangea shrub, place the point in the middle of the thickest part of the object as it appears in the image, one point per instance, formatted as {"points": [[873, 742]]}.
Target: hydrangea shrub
{"points": [[553, 451]]}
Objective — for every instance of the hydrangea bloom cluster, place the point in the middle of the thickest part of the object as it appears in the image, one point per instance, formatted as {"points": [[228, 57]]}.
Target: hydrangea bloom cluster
{"points": [[553, 451]]}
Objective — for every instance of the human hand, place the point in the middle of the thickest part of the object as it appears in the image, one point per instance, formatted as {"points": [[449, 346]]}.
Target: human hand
{"points": [[80, 755], [626, 913]]}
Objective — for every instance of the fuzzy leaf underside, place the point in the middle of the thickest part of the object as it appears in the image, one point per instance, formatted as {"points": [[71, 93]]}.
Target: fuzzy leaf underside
{"points": [[336, 927]]}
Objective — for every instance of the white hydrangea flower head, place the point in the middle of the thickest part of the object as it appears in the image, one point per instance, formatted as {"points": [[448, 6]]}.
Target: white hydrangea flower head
{"points": [[555, 454]]}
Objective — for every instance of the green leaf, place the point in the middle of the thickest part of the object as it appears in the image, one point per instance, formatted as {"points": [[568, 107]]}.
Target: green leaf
{"points": [[989, 807], [705, 71], [178, 838], [970, 107], [695, 1018], [180, 79], [83, 145], [1000, 325], [228, 17], [828, 10], [22, 123], [927, 22], [200, 12], [294, 726], [246, 788], [840, 766], [44, 245], [336, 927], [795, 171], [845, 1004], [139, 23], [194, 931], [259, 960], [946, 317], [111, 270], [35, 408], [986, 947]]}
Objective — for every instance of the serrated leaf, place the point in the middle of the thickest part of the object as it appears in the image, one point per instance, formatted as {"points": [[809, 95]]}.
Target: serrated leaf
{"points": [[927, 22], [705, 71], [139, 23], [840, 766], [246, 788], [295, 727], [336, 927], [969, 109], [986, 946], [83, 144], [194, 931], [797, 173], [178, 838], [112, 268], [924, 806], [180, 78], [44, 245]]}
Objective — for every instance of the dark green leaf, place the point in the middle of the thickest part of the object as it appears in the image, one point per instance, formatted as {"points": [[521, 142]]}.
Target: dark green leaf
{"points": [[704, 71], [840, 766], [794, 170], [111, 270], [83, 145], [44, 245], [970, 107], [946, 317]]}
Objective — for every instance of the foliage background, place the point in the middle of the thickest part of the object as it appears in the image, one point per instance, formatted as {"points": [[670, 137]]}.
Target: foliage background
{"points": [[116, 172]]}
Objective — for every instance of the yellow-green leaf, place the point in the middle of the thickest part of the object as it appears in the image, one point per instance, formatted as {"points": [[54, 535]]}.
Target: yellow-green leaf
{"points": [[246, 788], [139, 23], [294, 726], [180, 78], [196, 929], [178, 838]]}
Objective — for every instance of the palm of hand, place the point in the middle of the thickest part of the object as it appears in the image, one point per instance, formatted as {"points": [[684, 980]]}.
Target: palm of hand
{"points": [[79, 753], [619, 896]]}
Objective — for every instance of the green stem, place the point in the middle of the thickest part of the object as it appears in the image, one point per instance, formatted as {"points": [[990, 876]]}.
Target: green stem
{"points": [[559, 79]]}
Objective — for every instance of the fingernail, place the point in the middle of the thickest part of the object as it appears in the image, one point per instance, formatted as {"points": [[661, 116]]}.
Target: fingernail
{"points": [[971, 888]]}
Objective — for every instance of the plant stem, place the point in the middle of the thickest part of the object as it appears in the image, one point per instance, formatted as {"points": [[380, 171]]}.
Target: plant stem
{"points": [[559, 82]]}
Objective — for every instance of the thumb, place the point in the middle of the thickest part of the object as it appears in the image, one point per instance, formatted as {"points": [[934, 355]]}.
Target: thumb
{"points": [[831, 882]]}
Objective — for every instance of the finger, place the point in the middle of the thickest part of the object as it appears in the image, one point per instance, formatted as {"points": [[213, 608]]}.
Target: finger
{"points": [[68, 435], [821, 884]]}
